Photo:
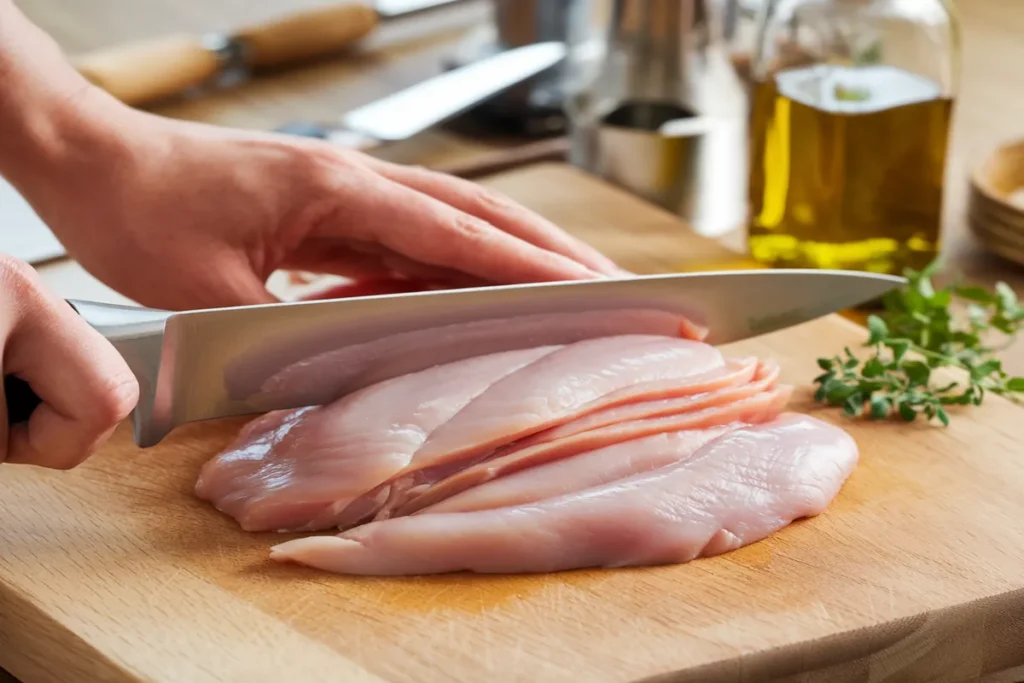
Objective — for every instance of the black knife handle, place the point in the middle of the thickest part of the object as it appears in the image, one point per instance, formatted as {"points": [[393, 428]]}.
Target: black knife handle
{"points": [[21, 400]]}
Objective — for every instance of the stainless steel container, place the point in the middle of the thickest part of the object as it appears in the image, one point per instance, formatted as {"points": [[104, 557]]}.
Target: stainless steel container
{"points": [[655, 106]]}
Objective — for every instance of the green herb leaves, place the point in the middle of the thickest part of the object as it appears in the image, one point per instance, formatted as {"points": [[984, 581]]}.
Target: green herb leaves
{"points": [[916, 334]]}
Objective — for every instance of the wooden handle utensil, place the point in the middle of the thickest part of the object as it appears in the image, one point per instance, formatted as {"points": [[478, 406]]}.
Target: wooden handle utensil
{"points": [[149, 70], [145, 71], [307, 35]]}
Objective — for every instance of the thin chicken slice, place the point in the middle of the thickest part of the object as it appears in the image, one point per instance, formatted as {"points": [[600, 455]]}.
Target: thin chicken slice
{"points": [[583, 471], [759, 407], [348, 358], [421, 475], [737, 490], [315, 469], [744, 378], [575, 380]]}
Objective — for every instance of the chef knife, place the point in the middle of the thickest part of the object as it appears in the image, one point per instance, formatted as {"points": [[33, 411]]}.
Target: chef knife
{"points": [[148, 70], [213, 363], [401, 115]]}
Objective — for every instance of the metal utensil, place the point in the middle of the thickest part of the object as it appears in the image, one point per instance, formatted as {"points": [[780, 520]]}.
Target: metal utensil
{"points": [[656, 107], [534, 107], [151, 69], [403, 114], [206, 364]]}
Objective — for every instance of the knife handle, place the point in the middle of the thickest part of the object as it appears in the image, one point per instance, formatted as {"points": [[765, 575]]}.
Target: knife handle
{"points": [[149, 70], [21, 400], [307, 35]]}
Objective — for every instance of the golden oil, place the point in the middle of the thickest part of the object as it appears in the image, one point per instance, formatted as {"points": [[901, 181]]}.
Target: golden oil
{"points": [[847, 168]]}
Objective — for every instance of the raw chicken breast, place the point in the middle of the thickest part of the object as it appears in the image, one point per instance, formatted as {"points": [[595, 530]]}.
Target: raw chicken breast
{"points": [[619, 450], [740, 379], [301, 470], [340, 464], [698, 392], [761, 407], [575, 380], [348, 358], [736, 490], [586, 470]]}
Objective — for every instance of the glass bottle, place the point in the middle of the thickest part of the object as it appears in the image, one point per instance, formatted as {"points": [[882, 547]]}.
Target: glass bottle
{"points": [[851, 106]]}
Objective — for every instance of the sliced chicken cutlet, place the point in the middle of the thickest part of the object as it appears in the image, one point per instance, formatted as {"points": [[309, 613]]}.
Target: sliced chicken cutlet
{"points": [[338, 465], [736, 490], [577, 379], [300, 470], [760, 407], [582, 471], [349, 360]]}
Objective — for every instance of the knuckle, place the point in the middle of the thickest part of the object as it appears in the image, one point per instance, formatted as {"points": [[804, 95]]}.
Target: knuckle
{"points": [[325, 162], [470, 228], [493, 201]]}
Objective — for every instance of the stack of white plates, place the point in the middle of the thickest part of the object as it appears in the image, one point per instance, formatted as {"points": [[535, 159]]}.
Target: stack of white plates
{"points": [[996, 204]]}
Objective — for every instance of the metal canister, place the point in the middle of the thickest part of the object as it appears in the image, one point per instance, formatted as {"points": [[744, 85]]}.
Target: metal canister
{"points": [[655, 106]]}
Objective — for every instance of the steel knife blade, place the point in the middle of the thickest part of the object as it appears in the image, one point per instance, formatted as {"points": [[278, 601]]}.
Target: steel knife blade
{"points": [[411, 111], [214, 363]]}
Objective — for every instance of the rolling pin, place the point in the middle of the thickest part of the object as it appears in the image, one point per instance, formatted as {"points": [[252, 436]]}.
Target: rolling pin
{"points": [[150, 70]]}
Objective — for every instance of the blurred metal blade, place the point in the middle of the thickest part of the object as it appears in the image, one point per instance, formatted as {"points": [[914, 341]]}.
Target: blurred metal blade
{"points": [[413, 110]]}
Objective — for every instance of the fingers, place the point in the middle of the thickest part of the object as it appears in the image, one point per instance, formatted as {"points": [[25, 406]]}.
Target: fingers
{"points": [[86, 387], [236, 284], [499, 211], [230, 280], [427, 230], [370, 262]]}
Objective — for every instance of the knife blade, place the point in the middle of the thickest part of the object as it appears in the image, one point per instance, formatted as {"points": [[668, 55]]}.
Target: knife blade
{"points": [[144, 71], [214, 363], [411, 111]]}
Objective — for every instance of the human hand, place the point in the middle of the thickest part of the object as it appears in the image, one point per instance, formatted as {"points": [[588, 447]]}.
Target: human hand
{"points": [[85, 386], [181, 215]]}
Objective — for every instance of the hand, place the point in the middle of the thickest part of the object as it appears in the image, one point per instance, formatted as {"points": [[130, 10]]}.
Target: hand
{"points": [[85, 385], [182, 215]]}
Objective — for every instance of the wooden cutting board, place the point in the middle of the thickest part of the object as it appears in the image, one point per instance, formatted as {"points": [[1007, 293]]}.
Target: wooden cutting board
{"points": [[114, 572]]}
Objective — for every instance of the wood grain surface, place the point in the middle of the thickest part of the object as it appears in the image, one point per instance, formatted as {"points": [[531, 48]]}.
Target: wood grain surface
{"points": [[115, 572]]}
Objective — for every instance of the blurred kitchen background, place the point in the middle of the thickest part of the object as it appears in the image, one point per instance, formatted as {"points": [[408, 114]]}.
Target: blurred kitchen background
{"points": [[835, 133]]}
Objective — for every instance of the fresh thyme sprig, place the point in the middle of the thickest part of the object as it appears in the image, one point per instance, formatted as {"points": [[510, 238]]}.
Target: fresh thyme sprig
{"points": [[916, 334]]}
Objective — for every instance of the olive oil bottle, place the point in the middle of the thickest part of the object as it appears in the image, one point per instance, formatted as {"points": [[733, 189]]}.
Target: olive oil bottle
{"points": [[848, 146]]}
